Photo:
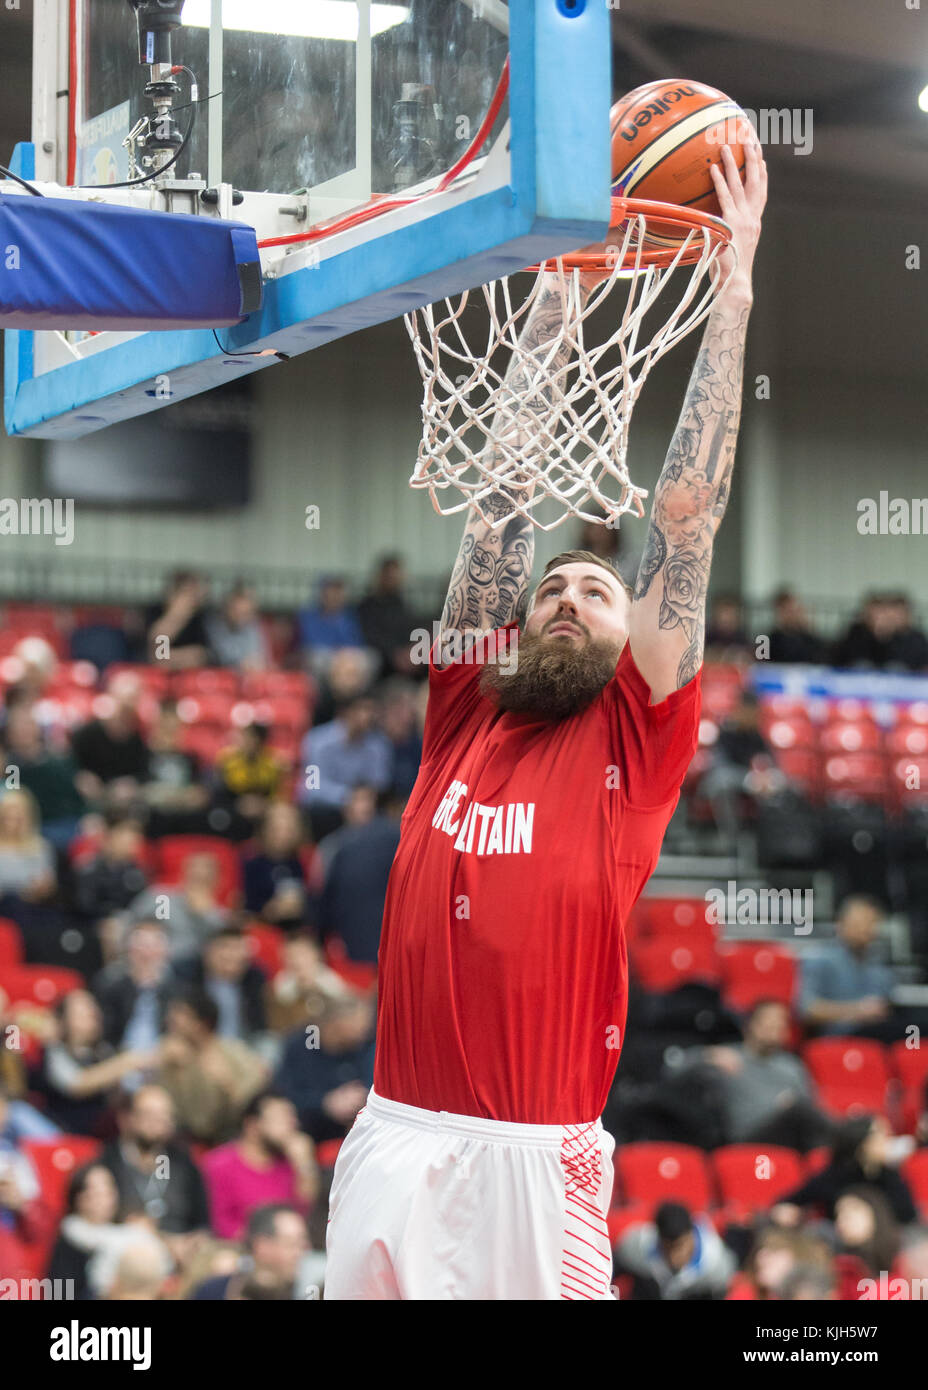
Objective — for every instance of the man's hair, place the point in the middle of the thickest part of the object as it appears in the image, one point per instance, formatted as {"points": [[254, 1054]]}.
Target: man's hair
{"points": [[672, 1220], [582, 557], [201, 1005], [262, 1221], [257, 1103], [862, 899]]}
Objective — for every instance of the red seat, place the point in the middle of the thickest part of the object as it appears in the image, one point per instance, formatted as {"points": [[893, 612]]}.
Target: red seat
{"points": [[667, 962], [267, 947], [676, 917], [756, 970], [649, 1174], [208, 680], [852, 1101], [862, 775], [789, 733], [847, 1062], [908, 738], [915, 1172], [56, 1160], [815, 1161], [204, 742], [12, 950], [292, 685], [213, 707], [327, 1152], [621, 1219], [70, 674], [803, 767], [863, 736], [910, 1065], [175, 850], [153, 679], [753, 1177], [852, 1074], [361, 974], [849, 711], [39, 984]]}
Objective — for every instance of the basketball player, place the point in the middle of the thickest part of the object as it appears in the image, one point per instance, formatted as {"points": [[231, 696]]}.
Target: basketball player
{"points": [[479, 1168]]}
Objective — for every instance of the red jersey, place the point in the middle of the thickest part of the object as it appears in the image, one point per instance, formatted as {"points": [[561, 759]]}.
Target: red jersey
{"points": [[524, 844]]}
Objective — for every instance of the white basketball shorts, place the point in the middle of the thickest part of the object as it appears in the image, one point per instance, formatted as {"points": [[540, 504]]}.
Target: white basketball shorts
{"points": [[429, 1205]]}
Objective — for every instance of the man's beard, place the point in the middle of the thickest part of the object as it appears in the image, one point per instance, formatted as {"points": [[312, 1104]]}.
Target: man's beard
{"points": [[553, 677]]}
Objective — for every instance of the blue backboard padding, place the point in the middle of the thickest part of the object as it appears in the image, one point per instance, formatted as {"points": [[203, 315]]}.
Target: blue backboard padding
{"points": [[558, 199], [100, 267]]}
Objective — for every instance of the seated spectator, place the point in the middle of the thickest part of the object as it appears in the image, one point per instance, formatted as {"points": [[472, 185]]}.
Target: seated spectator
{"points": [[91, 1232], [110, 751], [271, 1161], [726, 638], [27, 861], [399, 722], [225, 972], [742, 768], [386, 620], [883, 637], [332, 623], [50, 776], [675, 1256], [133, 992], [79, 1070], [329, 1084], [114, 877], [249, 773], [176, 627], [774, 1258], [845, 987], [20, 1119], [863, 1153], [190, 910], [355, 889], [210, 1079], [339, 756], [276, 887], [173, 790], [154, 1172], [349, 673], [360, 809], [866, 1229], [138, 1273], [275, 1245], [768, 1096], [792, 640], [300, 993], [234, 633], [24, 1220]]}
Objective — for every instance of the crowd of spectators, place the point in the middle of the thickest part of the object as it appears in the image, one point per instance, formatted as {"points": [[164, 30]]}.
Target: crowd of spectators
{"points": [[209, 921]]}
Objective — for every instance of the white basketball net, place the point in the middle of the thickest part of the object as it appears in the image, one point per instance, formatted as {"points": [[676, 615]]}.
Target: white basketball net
{"points": [[565, 427]]}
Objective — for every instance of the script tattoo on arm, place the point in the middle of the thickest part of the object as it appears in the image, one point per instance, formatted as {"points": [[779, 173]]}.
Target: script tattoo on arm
{"points": [[692, 492]]}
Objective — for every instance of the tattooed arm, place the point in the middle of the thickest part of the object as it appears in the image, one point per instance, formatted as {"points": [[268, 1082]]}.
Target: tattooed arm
{"points": [[667, 622], [491, 575]]}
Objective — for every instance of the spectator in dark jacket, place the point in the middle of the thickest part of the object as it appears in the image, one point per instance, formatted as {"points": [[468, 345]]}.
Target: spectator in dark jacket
{"points": [[79, 1070], [386, 620], [355, 889], [792, 639], [276, 886], [862, 1154], [134, 993], [224, 971], [109, 882], [329, 1084], [154, 1172], [110, 751], [883, 637]]}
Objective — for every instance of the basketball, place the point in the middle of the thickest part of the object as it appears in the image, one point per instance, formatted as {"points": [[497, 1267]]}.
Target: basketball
{"points": [[665, 137]]}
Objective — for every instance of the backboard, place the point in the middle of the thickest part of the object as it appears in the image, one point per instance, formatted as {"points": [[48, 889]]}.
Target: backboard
{"points": [[305, 111]]}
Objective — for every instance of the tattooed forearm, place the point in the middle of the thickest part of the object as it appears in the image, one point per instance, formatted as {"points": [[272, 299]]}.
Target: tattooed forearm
{"points": [[693, 489], [490, 579]]}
